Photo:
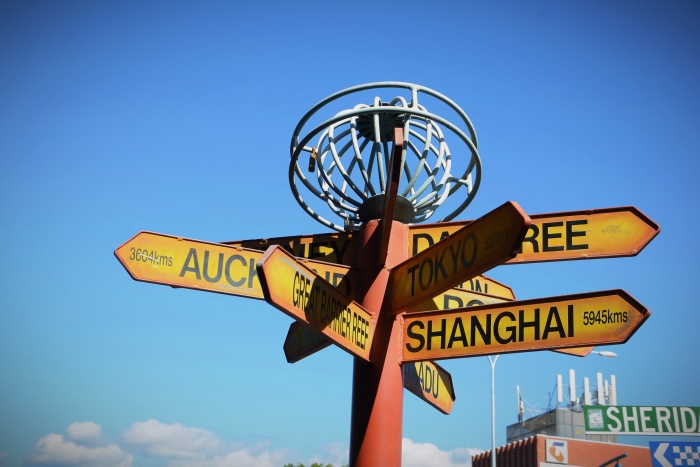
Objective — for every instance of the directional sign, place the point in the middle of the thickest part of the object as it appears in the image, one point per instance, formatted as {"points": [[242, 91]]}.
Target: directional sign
{"points": [[609, 317], [339, 248], [596, 233], [293, 288], [213, 267], [674, 453], [303, 341], [430, 382], [488, 286], [478, 247], [460, 298], [639, 420]]}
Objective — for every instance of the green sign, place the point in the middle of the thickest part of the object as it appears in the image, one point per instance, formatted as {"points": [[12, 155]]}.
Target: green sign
{"points": [[640, 420]]}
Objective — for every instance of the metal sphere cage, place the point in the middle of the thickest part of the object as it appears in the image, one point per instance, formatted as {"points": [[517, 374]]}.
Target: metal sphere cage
{"points": [[348, 164]]}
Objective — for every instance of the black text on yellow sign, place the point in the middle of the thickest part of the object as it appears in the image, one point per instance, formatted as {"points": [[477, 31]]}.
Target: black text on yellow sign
{"points": [[608, 317], [478, 247], [212, 267], [293, 288]]}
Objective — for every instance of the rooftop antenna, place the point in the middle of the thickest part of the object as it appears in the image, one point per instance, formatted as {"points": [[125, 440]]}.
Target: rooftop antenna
{"points": [[586, 392], [572, 389], [560, 395], [349, 160], [521, 406]]}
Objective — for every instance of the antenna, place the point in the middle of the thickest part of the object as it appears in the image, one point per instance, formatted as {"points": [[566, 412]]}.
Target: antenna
{"points": [[572, 388], [613, 390], [607, 393], [560, 396], [586, 392], [601, 394], [521, 408]]}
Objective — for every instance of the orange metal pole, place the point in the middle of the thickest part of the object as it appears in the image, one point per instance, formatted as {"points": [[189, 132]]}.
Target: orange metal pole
{"points": [[377, 387]]}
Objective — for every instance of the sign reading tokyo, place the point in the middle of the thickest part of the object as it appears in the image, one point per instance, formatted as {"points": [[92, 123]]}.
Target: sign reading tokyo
{"points": [[640, 420], [478, 247], [431, 383], [609, 317], [193, 264], [293, 288]]}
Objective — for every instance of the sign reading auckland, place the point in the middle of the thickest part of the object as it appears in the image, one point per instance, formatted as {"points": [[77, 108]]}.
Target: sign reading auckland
{"points": [[640, 420]]}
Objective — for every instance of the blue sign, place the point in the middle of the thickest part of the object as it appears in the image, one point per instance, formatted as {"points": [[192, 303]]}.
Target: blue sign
{"points": [[674, 453]]}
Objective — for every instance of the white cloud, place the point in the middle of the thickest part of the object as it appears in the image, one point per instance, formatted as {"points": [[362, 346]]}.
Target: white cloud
{"points": [[78, 449], [179, 446], [254, 456], [85, 433], [428, 455], [175, 440]]}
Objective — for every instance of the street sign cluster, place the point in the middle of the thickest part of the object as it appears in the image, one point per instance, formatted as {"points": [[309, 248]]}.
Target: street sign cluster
{"points": [[447, 308]]}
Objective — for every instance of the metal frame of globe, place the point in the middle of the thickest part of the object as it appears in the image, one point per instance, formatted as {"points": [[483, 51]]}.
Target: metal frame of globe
{"points": [[346, 199]]}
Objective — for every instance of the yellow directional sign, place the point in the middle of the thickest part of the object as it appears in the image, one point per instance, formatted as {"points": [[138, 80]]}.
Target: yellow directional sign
{"points": [[336, 247], [478, 247], [488, 286], [460, 298], [180, 262], [596, 233], [293, 288], [303, 341], [430, 382], [609, 317]]}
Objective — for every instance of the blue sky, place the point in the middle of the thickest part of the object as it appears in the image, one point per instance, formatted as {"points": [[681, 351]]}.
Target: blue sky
{"points": [[176, 117]]}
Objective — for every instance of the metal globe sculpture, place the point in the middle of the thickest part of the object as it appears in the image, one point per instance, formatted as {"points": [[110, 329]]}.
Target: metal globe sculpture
{"points": [[347, 166]]}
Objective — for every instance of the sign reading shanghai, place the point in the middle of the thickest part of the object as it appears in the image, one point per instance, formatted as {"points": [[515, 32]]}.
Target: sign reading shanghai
{"points": [[640, 420], [460, 298], [608, 317], [478, 247], [293, 288], [180, 262], [431, 383]]}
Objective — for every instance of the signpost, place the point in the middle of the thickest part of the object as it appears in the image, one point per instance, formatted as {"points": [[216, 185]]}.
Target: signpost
{"points": [[397, 294], [609, 317], [640, 420], [293, 288], [212, 267], [431, 383], [478, 247]]}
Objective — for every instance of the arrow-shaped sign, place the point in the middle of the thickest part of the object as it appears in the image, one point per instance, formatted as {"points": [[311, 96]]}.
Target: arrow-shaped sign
{"points": [[431, 383], [460, 298], [558, 236], [213, 267], [303, 341], [293, 288], [478, 247], [590, 319]]}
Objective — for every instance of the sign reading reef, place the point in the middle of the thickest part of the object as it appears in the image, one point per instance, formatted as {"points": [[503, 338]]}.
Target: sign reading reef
{"points": [[642, 420]]}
